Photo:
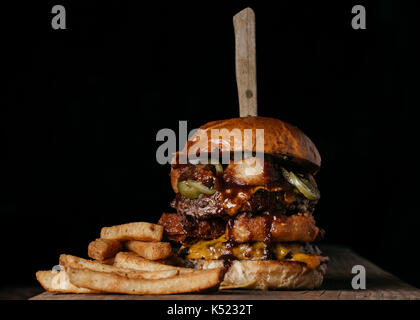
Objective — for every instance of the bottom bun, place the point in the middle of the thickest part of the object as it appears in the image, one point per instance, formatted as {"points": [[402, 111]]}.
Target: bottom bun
{"points": [[267, 274]]}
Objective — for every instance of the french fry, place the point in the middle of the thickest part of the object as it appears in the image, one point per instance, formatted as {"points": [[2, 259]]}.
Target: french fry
{"points": [[129, 260], [161, 274], [190, 282], [69, 261], [58, 281], [102, 249], [142, 231], [150, 250]]}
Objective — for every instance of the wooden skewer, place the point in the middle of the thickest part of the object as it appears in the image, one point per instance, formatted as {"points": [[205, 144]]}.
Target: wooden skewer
{"points": [[246, 68]]}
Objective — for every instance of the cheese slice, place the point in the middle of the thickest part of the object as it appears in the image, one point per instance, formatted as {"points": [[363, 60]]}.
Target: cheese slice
{"points": [[217, 248]]}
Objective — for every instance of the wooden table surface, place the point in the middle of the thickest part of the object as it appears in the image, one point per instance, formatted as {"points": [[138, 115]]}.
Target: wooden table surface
{"points": [[380, 285]]}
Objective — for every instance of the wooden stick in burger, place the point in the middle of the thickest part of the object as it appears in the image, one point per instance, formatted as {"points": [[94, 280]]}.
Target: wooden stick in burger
{"points": [[245, 58]]}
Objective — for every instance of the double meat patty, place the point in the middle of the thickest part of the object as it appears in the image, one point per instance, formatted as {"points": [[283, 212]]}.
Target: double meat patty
{"points": [[245, 228], [290, 217], [223, 204], [253, 211]]}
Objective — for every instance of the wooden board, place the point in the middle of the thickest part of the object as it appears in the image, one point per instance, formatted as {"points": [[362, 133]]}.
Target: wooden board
{"points": [[337, 286]]}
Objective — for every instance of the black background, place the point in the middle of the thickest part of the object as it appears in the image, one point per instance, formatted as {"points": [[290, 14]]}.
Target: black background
{"points": [[82, 107]]}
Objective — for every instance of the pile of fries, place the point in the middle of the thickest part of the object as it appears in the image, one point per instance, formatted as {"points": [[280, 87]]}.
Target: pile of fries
{"points": [[128, 259]]}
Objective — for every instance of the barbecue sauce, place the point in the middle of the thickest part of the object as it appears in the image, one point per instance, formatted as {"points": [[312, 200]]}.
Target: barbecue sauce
{"points": [[268, 252], [230, 244]]}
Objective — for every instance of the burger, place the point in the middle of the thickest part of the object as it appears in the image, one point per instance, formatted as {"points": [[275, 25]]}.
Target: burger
{"points": [[254, 216]]}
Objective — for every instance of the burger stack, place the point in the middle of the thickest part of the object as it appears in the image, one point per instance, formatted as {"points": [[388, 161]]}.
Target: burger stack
{"points": [[254, 216]]}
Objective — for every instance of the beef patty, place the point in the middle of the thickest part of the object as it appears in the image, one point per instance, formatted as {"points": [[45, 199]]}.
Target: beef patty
{"points": [[180, 228], [245, 228], [234, 201]]}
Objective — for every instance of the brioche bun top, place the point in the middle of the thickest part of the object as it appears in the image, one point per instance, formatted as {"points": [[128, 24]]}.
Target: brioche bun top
{"points": [[281, 139]]}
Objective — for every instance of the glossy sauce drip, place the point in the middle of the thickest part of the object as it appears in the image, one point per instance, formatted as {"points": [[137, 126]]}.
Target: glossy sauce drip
{"points": [[268, 252], [232, 199], [229, 245], [229, 227], [234, 196]]}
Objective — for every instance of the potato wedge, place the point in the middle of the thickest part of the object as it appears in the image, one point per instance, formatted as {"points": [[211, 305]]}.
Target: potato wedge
{"points": [[134, 274], [130, 260], [190, 282], [102, 249], [142, 231], [58, 281], [150, 250], [69, 261]]}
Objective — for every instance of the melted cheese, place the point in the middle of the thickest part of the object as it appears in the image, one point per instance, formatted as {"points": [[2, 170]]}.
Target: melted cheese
{"points": [[215, 249], [312, 260], [207, 249]]}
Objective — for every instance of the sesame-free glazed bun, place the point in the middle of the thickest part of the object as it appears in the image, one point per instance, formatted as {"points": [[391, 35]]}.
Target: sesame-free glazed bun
{"points": [[267, 274], [280, 139]]}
